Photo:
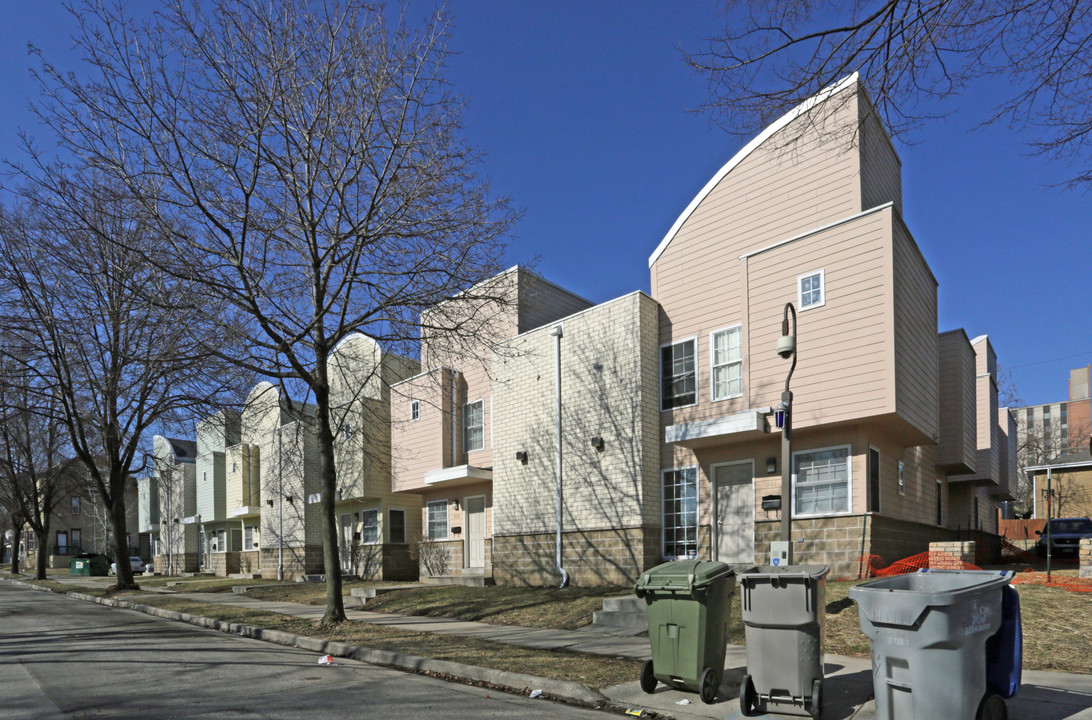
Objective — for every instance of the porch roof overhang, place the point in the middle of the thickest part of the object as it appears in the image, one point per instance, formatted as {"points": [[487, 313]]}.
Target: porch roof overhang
{"points": [[246, 511], [458, 475], [191, 520], [738, 427]]}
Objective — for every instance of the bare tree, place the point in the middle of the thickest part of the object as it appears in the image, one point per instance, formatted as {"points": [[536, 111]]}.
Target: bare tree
{"points": [[304, 164], [913, 55], [112, 346], [35, 474]]}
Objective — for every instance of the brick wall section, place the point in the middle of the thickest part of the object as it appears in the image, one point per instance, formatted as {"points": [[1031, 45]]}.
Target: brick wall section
{"points": [[1085, 555], [249, 562], [951, 555], [224, 564]]}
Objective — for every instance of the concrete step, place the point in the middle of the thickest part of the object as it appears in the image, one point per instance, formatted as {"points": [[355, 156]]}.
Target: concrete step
{"points": [[367, 593], [625, 613], [464, 580], [245, 576], [626, 603]]}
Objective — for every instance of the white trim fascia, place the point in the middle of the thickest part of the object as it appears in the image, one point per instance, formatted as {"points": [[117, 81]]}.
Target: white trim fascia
{"points": [[422, 374], [458, 472], [712, 366], [849, 480], [746, 421], [697, 374], [1060, 466], [820, 229], [191, 520], [245, 510], [749, 148]]}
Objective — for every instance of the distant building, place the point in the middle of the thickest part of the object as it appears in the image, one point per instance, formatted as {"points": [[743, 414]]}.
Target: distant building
{"points": [[1052, 429]]}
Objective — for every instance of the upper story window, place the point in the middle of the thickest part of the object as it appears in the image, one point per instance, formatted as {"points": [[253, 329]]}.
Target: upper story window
{"points": [[821, 481], [415, 410], [437, 520], [727, 353], [75, 506], [678, 379], [474, 426], [811, 290]]}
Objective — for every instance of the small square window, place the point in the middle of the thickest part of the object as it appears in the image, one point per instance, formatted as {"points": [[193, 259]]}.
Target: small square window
{"points": [[415, 410], [811, 290]]}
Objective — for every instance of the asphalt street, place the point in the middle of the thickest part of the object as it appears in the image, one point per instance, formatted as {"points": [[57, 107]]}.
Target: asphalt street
{"points": [[62, 658]]}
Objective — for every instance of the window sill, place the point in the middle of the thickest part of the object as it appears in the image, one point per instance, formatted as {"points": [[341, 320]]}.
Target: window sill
{"points": [[679, 407]]}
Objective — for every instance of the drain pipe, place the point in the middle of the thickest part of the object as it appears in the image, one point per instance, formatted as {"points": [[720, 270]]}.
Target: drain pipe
{"points": [[557, 332]]}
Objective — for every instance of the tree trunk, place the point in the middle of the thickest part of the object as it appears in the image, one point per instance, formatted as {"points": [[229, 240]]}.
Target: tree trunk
{"points": [[117, 514], [42, 559], [16, 540], [335, 604]]}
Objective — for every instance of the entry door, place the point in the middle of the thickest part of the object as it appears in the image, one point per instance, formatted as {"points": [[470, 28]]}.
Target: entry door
{"points": [[202, 551], [345, 522], [77, 540], [735, 498], [475, 531]]}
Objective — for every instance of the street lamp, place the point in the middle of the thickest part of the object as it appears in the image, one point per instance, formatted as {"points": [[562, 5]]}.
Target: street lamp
{"points": [[781, 550]]}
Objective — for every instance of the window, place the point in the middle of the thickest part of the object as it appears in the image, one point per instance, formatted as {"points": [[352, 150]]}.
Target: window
{"points": [[77, 540], [1048, 439], [811, 290], [437, 520], [1063, 427], [474, 426], [76, 506], [821, 481], [727, 352], [678, 380], [415, 410], [975, 512], [220, 543], [902, 478], [940, 502], [248, 538], [234, 466], [873, 480], [369, 527], [397, 520], [680, 510]]}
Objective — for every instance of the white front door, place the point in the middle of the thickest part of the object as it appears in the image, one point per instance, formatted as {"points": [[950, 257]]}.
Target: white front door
{"points": [[735, 508], [475, 531], [345, 522]]}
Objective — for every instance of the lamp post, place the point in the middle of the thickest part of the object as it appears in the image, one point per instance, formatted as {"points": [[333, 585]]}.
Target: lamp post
{"points": [[781, 551]]}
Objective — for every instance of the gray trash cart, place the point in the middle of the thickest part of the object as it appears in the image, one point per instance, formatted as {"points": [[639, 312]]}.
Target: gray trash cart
{"points": [[929, 631], [784, 610]]}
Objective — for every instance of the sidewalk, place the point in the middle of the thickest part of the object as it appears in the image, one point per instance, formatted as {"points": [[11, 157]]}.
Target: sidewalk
{"points": [[847, 685]]}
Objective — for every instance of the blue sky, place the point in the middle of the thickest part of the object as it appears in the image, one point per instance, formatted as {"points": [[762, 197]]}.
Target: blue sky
{"points": [[584, 110]]}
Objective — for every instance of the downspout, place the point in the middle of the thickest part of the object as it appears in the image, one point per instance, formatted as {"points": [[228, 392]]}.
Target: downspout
{"points": [[280, 509], [557, 332], [454, 419]]}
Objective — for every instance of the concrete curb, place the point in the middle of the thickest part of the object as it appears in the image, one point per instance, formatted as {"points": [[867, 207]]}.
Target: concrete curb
{"points": [[516, 683]]}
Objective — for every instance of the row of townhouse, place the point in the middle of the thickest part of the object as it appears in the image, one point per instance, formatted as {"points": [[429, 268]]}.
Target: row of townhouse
{"points": [[551, 438]]}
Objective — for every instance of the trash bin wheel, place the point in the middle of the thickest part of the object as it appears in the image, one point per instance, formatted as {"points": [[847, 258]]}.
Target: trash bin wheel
{"points": [[708, 686], [746, 696], [992, 708], [815, 705], [648, 678]]}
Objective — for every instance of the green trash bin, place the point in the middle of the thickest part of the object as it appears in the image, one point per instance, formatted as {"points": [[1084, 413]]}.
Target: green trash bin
{"points": [[687, 602], [89, 564]]}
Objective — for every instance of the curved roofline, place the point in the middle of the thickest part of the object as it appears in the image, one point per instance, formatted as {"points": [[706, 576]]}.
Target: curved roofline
{"points": [[747, 150]]}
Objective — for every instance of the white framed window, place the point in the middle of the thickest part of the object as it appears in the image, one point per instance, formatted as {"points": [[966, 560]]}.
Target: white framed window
{"points": [[249, 543], [474, 426], [678, 374], [726, 357], [437, 520], [822, 481], [397, 520], [415, 410], [219, 544], [811, 290], [680, 512], [369, 527], [902, 478]]}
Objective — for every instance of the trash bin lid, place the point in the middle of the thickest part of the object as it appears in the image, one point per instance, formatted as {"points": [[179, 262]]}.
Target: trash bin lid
{"points": [[683, 575], [766, 572]]}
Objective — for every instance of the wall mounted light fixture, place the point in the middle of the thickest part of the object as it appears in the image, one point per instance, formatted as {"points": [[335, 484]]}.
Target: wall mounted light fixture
{"points": [[269, 502], [521, 455], [289, 498], [597, 443], [457, 505], [771, 465]]}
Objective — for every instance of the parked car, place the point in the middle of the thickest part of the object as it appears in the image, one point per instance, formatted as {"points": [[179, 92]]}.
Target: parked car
{"points": [[1065, 537], [136, 564]]}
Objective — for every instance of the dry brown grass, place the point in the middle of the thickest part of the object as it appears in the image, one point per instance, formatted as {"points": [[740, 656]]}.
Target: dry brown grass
{"points": [[588, 670]]}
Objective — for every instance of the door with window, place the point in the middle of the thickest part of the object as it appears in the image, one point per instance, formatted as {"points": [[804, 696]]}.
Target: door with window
{"points": [[62, 543], [345, 525], [475, 531], [735, 512]]}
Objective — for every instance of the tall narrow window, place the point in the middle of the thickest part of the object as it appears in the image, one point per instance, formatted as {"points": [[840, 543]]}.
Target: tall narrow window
{"points": [[873, 480], [975, 512], [821, 479], [474, 426], [680, 512], [902, 478], [369, 526], [678, 379], [397, 520], [75, 506], [437, 520], [248, 537], [415, 410], [811, 290], [1048, 439], [940, 502], [1063, 427], [727, 352]]}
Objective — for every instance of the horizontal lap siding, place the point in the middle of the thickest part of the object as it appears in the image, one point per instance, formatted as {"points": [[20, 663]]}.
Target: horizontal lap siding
{"points": [[915, 312], [844, 368], [881, 171], [542, 302], [424, 444], [958, 424]]}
